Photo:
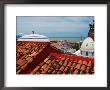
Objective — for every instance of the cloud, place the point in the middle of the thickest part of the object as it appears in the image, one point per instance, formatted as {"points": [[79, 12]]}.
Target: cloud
{"points": [[53, 24]]}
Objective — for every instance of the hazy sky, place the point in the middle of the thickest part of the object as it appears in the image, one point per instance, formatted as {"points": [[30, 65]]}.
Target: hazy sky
{"points": [[54, 26]]}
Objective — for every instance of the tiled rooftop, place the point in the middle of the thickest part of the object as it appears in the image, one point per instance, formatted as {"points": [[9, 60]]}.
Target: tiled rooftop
{"points": [[54, 63], [25, 54]]}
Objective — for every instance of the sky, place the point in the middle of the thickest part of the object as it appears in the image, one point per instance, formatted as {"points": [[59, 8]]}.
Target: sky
{"points": [[54, 26]]}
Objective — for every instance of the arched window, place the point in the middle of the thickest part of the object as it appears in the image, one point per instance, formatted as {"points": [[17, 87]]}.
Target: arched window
{"points": [[92, 53], [87, 44], [86, 53], [81, 52]]}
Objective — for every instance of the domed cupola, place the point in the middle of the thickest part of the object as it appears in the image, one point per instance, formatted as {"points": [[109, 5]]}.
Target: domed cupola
{"points": [[34, 37], [87, 47]]}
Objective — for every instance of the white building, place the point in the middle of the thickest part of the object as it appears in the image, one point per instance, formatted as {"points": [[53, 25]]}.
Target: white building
{"points": [[34, 37], [87, 48]]}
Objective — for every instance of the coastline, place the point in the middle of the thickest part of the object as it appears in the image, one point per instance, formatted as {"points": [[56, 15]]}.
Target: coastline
{"points": [[70, 39]]}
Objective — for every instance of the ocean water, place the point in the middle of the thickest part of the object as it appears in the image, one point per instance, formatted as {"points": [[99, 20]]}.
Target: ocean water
{"points": [[74, 39]]}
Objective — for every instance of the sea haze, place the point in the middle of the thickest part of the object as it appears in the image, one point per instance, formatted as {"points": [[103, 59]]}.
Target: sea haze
{"points": [[73, 39]]}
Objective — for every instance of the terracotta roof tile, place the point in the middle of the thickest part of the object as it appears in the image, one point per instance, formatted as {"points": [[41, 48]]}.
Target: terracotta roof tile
{"points": [[61, 62], [18, 67], [76, 71], [82, 72], [65, 62], [54, 72], [59, 72], [24, 66], [49, 71], [89, 64], [37, 68], [78, 66], [48, 61], [18, 71], [80, 61], [51, 64], [69, 64], [73, 64], [44, 66], [21, 62], [65, 70], [62, 68], [85, 62], [83, 67]]}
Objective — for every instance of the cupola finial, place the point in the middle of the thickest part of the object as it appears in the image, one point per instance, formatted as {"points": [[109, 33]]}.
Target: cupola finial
{"points": [[33, 32]]}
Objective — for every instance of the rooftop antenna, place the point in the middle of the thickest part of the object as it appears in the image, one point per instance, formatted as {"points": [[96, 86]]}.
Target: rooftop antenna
{"points": [[33, 26], [81, 37], [33, 32]]}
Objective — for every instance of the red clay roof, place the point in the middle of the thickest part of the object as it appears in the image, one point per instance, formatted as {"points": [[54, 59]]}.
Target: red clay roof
{"points": [[38, 58]]}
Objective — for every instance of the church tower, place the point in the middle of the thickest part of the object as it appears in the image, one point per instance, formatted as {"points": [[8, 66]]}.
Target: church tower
{"points": [[91, 30]]}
